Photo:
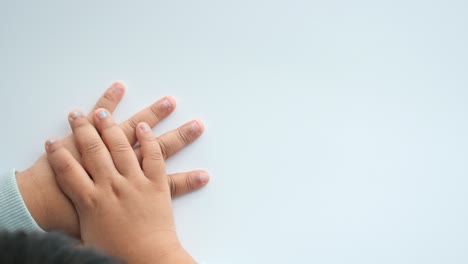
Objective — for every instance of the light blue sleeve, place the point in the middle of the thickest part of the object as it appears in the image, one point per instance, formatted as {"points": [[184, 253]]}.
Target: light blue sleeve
{"points": [[14, 215]]}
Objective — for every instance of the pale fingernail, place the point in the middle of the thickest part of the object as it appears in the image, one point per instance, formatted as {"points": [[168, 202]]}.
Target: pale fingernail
{"points": [[203, 177], [196, 128], [167, 104], [51, 141], [103, 114], [76, 114], [118, 89], [145, 128]]}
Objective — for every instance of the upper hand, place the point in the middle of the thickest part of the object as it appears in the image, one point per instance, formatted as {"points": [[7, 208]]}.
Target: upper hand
{"points": [[124, 209]]}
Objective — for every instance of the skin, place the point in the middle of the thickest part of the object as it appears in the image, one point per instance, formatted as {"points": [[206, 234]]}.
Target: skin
{"points": [[124, 208], [53, 210]]}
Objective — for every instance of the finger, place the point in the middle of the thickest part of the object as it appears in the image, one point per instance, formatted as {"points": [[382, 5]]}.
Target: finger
{"points": [[151, 115], [109, 100], [94, 155], [71, 177], [175, 140], [183, 183], [153, 162], [114, 138]]}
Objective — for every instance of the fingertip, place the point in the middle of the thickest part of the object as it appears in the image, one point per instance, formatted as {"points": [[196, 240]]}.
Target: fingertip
{"points": [[75, 114], [198, 127], [77, 118], [101, 113], [168, 104], [50, 145], [172, 101], [118, 88], [187, 182], [144, 130], [110, 99], [202, 177]]}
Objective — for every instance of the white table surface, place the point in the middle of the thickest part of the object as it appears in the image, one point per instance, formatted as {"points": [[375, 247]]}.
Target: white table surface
{"points": [[336, 131]]}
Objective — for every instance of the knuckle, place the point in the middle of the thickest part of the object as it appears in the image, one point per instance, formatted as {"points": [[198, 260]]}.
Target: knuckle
{"points": [[64, 167], [108, 97], [189, 183], [120, 146], [93, 147], [165, 148], [155, 156], [183, 136], [155, 112], [132, 123], [106, 101], [130, 126]]}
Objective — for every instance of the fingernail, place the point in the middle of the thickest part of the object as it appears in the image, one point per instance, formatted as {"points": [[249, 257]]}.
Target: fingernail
{"points": [[76, 114], [167, 104], [204, 178], [196, 127], [118, 89], [50, 141], [145, 128], [103, 115]]}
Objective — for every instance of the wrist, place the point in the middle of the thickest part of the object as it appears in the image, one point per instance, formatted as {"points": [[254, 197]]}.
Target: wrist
{"points": [[46, 203], [32, 196]]}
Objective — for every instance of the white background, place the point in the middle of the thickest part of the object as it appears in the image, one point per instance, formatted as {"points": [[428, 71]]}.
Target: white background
{"points": [[336, 131]]}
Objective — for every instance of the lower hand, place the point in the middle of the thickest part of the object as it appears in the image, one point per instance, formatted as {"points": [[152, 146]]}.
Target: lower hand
{"points": [[52, 210]]}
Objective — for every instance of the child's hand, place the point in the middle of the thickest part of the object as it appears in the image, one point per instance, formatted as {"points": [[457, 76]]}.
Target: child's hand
{"points": [[52, 210], [123, 209]]}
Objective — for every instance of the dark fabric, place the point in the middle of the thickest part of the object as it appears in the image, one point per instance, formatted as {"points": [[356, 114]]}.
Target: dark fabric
{"points": [[51, 248]]}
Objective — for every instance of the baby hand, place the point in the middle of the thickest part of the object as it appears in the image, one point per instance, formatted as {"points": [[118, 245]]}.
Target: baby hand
{"points": [[123, 209], [52, 210]]}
